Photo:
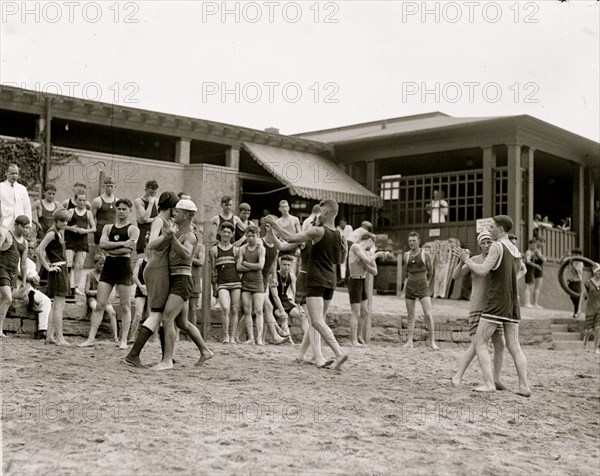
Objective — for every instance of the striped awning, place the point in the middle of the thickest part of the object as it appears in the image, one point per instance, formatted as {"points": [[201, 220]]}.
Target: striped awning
{"points": [[311, 176]]}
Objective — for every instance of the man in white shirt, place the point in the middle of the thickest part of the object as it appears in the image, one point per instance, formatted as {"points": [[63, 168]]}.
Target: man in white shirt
{"points": [[345, 229], [437, 208], [14, 198]]}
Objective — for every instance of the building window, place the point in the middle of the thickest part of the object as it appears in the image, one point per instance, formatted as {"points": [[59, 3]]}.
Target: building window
{"points": [[406, 199]]}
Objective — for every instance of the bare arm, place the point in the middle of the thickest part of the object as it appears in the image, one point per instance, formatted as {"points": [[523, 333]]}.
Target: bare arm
{"points": [[522, 270], [24, 262], [186, 247], [261, 260], [156, 239], [240, 259], [91, 224], [314, 233], [484, 268], [143, 214], [96, 203], [367, 261], [459, 270], [275, 294], [88, 285], [41, 252]]}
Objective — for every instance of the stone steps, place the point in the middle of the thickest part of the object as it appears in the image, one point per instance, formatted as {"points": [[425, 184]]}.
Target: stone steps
{"points": [[567, 334]]}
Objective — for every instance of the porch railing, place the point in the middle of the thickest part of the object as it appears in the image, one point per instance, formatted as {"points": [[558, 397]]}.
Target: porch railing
{"points": [[558, 243]]}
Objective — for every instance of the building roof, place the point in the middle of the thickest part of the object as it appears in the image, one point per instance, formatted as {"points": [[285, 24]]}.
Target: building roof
{"points": [[388, 127], [311, 176]]}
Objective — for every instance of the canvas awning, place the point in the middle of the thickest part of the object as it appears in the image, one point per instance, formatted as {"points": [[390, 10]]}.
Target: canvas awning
{"points": [[311, 176]]}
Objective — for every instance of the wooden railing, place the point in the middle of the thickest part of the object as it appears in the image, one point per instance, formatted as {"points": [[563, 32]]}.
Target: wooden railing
{"points": [[558, 243]]}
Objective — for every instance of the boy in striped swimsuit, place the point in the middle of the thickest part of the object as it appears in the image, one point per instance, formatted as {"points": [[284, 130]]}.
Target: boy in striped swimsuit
{"points": [[502, 304]]}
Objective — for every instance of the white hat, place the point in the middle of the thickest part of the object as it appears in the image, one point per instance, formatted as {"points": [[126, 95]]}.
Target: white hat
{"points": [[483, 236], [596, 268], [185, 204]]}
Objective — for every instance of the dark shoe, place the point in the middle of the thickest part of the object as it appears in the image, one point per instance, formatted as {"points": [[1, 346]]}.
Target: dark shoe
{"points": [[39, 335], [33, 307]]}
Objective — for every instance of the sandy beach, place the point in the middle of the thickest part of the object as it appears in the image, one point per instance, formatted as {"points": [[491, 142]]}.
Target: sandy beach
{"points": [[253, 410]]}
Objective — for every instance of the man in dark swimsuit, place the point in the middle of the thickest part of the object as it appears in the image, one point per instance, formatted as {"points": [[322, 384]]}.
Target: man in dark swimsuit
{"points": [[104, 208], [328, 249], [502, 305], [118, 241], [13, 249]]}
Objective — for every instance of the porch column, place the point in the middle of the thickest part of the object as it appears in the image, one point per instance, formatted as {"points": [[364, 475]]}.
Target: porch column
{"points": [[182, 151], [515, 188], [578, 220], [232, 158], [371, 182], [489, 164], [527, 156]]}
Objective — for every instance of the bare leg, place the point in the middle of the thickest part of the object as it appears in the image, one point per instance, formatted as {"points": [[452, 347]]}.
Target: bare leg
{"points": [[511, 331], [499, 346], [528, 289], [104, 290], [257, 306], [193, 308], [536, 292], [484, 330], [596, 339], [140, 303], [465, 361], [362, 321], [124, 298], [316, 312], [354, 318], [194, 334], [112, 317], [410, 326], [5, 301], [235, 295], [426, 305], [59, 306], [78, 262], [271, 323], [172, 310], [225, 303], [247, 303]]}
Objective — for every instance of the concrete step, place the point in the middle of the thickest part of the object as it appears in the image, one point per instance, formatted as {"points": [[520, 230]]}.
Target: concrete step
{"points": [[567, 336], [559, 328], [570, 345]]}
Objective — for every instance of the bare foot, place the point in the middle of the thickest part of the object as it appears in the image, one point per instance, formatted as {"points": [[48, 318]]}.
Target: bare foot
{"points": [[597, 351], [163, 366], [233, 340], [356, 344], [524, 392], [361, 341], [260, 342], [500, 386], [204, 357], [2, 334], [63, 343], [408, 345], [123, 346], [135, 361], [325, 364], [456, 381], [248, 342], [225, 340], [434, 346], [484, 388], [50, 340], [87, 343], [340, 361]]}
